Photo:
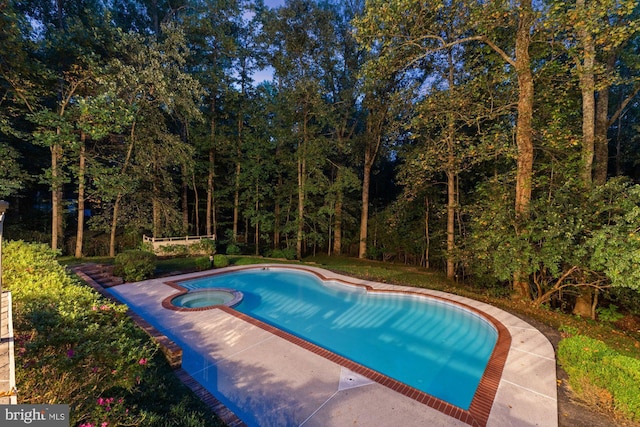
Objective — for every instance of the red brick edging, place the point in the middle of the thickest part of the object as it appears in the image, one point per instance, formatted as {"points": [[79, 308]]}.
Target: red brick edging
{"points": [[478, 413]]}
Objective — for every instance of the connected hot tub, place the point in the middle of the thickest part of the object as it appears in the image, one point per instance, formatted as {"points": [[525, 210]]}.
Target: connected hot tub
{"points": [[205, 298]]}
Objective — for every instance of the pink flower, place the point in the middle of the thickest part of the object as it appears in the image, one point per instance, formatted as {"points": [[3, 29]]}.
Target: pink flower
{"points": [[86, 425], [100, 401], [104, 424], [142, 361], [94, 308]]}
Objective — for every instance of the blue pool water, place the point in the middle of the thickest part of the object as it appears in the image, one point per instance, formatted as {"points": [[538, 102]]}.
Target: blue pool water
{"points": [[434, 346]]}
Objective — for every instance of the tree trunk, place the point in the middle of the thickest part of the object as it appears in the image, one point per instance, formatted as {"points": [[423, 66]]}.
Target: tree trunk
{"points": [[276, 216], [114, 225], [451, 178], [116, 203], [257, 226], [426, 233], [236, 202], [601, 159], [301, 194], [337, 225], [196, 202], [210, 182], [451, 215], [185, 201], [364, 215], [57, 231], [373, 141], [587, 87], [81, 173], [584, 301], [524, 131]]}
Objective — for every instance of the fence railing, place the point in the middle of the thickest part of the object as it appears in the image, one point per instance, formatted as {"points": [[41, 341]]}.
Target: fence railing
{"points": [[158, 242]]}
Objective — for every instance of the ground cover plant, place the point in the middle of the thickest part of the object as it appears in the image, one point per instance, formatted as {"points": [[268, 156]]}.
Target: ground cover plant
{"points": [[601, 375], [75, 347]]}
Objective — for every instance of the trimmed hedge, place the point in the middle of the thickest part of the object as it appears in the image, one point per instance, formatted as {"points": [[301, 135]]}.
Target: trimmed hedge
{"points": [[135, 265], [602, 376], [220, 260]]}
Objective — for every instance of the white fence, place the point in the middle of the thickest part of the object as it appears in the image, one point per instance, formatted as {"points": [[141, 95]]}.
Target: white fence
{"points": [[159, 242]]}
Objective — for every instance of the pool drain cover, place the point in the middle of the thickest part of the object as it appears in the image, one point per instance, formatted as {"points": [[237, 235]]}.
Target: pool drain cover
{"points": [[349, 379]]}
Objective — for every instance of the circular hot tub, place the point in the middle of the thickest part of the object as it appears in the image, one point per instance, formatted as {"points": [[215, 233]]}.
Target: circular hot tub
{"points": [[211, 297]]}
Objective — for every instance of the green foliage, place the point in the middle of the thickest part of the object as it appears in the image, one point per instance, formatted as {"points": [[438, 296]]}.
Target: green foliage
{"points": [[77, 348], [601, 375], [287, 253], [233, 249], [72, 345], [616, 245], [135, 265], [220, 260], [204, 247], [173, 250], [12, 176], [609, 314], [201, 247], [626, 298], [585, 237], [202, 263]]}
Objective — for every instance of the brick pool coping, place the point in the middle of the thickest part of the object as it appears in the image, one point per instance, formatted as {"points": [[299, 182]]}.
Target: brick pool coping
{"points": [[482, 402]]}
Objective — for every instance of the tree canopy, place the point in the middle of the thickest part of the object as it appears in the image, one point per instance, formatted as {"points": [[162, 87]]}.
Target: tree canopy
{"points": [[497, 141]]}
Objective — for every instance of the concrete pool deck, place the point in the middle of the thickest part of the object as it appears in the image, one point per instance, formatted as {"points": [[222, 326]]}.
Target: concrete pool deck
{"points": [[268, 379]]}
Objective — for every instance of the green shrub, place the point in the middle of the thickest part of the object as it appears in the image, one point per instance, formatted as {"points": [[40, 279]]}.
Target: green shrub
{"points": [[287, 253], [220, 260], [75, 347], [135, 265], [174, 250], [233, 249], [609, 314], [72, 345], [203, 247], [601, 375], [203, 263], [277, 253]]}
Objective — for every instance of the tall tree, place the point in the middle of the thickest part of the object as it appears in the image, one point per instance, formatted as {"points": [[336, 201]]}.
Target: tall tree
{"points": [[297, 32], [593, 34], [402, 33], [150, 80]]}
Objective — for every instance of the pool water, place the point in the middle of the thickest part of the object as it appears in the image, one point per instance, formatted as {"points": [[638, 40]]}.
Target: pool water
{"points": [[434, 346]]}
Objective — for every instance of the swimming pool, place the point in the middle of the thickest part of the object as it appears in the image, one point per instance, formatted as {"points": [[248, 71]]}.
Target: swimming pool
{"points": [[431, 345]]}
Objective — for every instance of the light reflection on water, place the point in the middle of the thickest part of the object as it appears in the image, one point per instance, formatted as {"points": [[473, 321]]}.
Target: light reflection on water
{"points": [[434, 346]]}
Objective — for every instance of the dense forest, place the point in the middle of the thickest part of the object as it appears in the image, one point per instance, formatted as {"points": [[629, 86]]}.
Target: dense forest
{"points": [[496, 141]]}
